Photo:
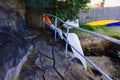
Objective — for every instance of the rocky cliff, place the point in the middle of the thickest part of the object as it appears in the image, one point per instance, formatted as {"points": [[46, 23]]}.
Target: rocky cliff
{"points": [[13, 47], [8, 17]]}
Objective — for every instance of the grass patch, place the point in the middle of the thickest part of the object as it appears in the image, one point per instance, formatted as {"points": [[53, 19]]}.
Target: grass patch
{"points": [[111, 31], [88, 27], [93, 28], [108, 31]]}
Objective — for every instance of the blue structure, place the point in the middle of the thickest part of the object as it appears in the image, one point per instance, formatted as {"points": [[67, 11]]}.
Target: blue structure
{"points": [[115, 24]]}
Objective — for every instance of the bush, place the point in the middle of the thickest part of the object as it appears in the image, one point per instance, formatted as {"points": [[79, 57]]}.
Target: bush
{"points": [[65, 9]]}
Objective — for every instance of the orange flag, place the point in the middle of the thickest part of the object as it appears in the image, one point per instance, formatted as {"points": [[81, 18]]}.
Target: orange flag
{"points": [[47, 19]]}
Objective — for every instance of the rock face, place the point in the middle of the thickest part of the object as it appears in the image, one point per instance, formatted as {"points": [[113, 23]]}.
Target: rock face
{"points": [[13, 47], [47, 62], [13, 19], [16, 5]]}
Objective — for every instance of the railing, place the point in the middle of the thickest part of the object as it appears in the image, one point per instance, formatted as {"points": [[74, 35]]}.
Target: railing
{"points": [[87, 31]]}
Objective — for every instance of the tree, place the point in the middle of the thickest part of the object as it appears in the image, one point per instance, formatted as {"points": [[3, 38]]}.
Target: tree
{"points": [[65, 9]]}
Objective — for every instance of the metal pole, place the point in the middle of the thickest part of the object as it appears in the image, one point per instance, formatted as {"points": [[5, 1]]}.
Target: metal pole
{"points": [[66, 47], [55, 34], [43, 22], [55, 30], [90, 62]]}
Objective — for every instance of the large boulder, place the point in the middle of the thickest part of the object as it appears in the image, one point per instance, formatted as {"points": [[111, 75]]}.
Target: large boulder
{"points": [[13, 48]]}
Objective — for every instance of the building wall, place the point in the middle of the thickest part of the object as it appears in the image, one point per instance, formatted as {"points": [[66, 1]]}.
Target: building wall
{"points": [[112, 3]]}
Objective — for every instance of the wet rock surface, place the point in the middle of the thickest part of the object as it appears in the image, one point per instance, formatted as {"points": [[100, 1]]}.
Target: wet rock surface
{"points": [[47, 61]]}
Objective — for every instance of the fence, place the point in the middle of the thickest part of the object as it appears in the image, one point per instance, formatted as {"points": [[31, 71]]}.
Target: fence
{"points": [[34, 18], [99, 14]]}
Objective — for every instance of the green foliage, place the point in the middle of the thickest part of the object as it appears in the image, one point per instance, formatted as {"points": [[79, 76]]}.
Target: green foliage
{"points": [[65, 9], [88, 6]]}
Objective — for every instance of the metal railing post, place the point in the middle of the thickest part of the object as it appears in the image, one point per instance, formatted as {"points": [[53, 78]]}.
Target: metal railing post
{"points": [[43, 22], [55, 30], [66, 47]]}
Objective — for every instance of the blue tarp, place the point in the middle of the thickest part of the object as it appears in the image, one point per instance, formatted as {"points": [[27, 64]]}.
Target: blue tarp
{"points": [[113, 24]]}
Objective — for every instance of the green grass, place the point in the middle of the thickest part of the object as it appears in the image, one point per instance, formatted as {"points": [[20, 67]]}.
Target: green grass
{"points": [[108, 31], [89, 27], [111, 31], [93, 28]]}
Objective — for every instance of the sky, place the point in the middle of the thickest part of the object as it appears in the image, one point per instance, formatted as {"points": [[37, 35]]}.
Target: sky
{"points": [[112, 3], [108, 3]]}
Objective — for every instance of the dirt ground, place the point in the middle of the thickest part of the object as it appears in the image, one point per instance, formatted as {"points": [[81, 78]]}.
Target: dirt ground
{"points": [[107, 65]]}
